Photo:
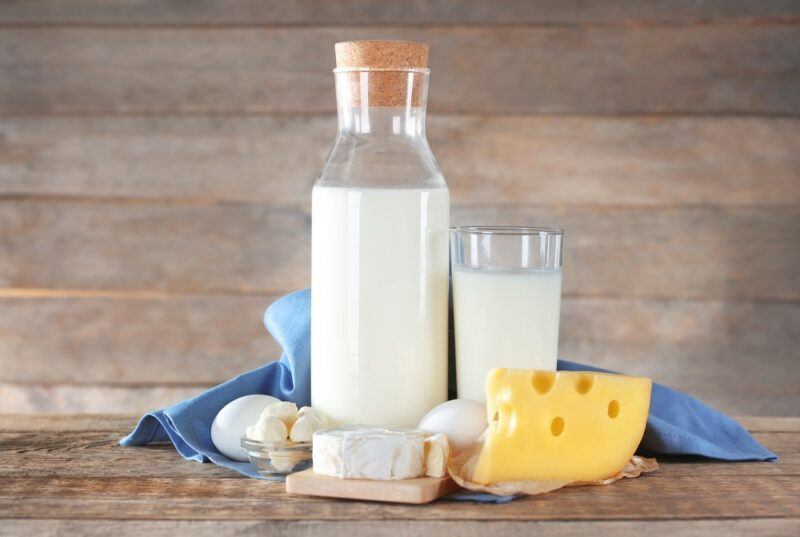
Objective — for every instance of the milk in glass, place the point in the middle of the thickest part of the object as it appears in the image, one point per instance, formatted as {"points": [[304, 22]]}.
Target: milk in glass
{"points": [[504, 318]]}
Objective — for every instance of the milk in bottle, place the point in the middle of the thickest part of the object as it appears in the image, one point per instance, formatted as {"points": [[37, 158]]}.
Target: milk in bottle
{"points": [[380, 217]]}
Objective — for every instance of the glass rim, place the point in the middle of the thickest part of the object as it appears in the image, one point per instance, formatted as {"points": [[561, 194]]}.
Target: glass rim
{"points": [[507, 230], [420, 70], [282, 445]]}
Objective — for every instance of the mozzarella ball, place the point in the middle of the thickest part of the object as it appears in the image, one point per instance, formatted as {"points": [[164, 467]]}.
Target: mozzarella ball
{"points": [[303, 429], [269, 429], [283, 410], [285, 462], [309, 411]]}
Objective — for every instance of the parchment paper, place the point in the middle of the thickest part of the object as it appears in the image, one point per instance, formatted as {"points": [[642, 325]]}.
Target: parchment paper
{"points": [[461, 467]]}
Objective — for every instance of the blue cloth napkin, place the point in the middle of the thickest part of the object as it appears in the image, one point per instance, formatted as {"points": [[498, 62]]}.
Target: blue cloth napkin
{"points": [[678, 424], [188, 424]]}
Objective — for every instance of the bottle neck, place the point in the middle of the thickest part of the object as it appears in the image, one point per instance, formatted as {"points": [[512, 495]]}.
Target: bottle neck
{"points": [[385, 103], [382, 121]]}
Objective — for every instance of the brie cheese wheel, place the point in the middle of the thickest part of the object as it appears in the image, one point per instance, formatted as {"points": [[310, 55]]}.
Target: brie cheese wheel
{"points": [[359, 452], [437, 453]]}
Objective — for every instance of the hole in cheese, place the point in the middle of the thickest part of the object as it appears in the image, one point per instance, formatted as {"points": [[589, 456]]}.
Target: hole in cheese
{"points": [[557, 427], [613, 409], [543, 381], [504, 422], [585, 384]]}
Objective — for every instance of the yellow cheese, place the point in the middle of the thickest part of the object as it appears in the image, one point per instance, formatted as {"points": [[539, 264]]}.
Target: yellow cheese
{"points": [[566, 426]]}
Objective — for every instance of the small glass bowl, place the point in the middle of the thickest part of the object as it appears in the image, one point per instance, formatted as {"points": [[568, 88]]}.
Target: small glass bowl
{"points": [[276, 460]]}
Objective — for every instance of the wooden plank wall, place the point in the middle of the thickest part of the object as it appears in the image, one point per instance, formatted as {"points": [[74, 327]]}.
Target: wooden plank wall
{"points": [[156, 160]]}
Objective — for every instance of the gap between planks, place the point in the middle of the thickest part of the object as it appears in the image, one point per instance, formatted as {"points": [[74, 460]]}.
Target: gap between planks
{"points": [[137, 294], [16, 197], [311, 112], [641, 23], [415, 14], [20, 422], [778, 527], [152, 294]]}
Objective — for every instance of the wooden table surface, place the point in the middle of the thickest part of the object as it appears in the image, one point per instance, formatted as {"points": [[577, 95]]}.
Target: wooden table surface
{"points": [[67, 475]]}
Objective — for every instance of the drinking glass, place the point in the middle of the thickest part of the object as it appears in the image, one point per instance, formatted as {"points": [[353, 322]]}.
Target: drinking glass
{"points": [[506, 301]]}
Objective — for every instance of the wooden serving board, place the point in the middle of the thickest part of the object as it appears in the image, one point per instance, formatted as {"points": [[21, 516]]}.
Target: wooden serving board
{"points": [[419, 490]]}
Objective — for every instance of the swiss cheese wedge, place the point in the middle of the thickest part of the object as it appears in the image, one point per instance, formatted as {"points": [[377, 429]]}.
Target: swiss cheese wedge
{"points": [[566, 426]]}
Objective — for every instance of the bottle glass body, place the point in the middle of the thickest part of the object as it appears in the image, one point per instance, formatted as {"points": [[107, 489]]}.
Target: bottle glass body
{"points": [[380, 218]]}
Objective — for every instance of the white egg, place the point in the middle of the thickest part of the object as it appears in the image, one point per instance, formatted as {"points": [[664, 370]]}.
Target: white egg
{"points": [[461, 420], [233, 420]]}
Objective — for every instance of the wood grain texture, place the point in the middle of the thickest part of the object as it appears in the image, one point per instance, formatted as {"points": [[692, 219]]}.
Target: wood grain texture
{"points": [[738, 357], [156, 160], [63, 398], [20, 422], [208, 498], [86, 476], [88, 450], [702, 252], [769, 423], [726, 68], [407, 491], [417, 12], [33, 446], [781, 527], [170, 340], [162, 246], [542, 160], [108, 347]]}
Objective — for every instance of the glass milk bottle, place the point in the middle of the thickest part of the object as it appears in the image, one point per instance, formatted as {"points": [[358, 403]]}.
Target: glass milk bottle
{"points": [[380, 217]]}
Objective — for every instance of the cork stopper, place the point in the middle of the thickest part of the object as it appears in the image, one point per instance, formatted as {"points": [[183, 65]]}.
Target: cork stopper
{"points": [[382, 54], [391, 84]]}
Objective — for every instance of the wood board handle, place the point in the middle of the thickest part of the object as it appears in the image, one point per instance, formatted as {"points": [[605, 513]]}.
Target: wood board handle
{"points": [[416, 491]]}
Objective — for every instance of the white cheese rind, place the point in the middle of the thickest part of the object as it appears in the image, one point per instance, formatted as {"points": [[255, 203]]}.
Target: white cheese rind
{"points": [[353, 452], [437, 453]]}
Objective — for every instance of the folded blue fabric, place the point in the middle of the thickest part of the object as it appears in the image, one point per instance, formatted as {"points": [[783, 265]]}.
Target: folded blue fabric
{"points": [[678, 424], [188, 424]]}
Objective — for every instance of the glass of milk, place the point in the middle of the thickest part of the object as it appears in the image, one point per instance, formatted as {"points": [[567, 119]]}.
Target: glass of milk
{"points": [[506, 301]]}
